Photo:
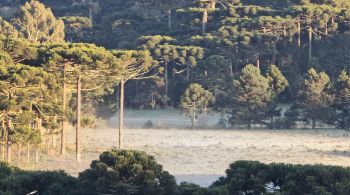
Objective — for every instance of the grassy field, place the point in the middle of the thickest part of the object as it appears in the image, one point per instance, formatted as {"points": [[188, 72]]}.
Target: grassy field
{"points": [[192, 153], [201, 156]]}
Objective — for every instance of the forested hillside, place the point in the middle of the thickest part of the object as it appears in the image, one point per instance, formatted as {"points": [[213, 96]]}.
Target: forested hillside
{"points": [[65, 62], [268, 64]]}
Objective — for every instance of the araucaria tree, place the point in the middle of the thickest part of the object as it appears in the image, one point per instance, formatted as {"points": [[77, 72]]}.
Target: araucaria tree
{"points": [[23, 89], [129, 65], [196, 100], [86, 65]]}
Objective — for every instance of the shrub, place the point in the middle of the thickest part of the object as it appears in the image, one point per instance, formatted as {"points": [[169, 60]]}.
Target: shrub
{"points": [[252, 177], [126, 172], [14, 181]]}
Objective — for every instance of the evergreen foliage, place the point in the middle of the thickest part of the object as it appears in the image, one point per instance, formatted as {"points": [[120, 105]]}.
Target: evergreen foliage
{"points": [[196, 100], [133, 172]]}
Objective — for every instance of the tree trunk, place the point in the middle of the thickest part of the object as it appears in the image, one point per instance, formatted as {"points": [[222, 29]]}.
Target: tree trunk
{"points": [[166, 78], [193, 119], [274, 53], [284, 36], [121, 112], [232, 61], [64, 124], [313, 123], [53, 143], [8, 153], [3, 153], [299, 33], [231, 69], [310, 43], [272, 122], [188, 72], [326, 28], [3, 125], [169, 19], [204, 20], [78, 125], [36, 156], [90, 15], [19, 151], [153, 102], [52, 149], [258, 62], [249, 124], [41, 130], [236, 59], [8, 144], [28, 152]]}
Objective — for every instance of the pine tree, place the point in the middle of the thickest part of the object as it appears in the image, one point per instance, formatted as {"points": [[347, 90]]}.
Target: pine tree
{"points": [[251, 94], [38, 24], [342, 99], [314, 98], [7, 29], [278, 83]]}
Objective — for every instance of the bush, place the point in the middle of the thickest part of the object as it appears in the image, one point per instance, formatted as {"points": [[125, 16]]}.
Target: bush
{"points": [[14, 181], [126, 172], [252, 177], [192, 189], [148, 125]]}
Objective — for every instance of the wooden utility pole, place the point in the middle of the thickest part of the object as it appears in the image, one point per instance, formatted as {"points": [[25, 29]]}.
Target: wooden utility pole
{"points": [[78, 125], [121, 112]]}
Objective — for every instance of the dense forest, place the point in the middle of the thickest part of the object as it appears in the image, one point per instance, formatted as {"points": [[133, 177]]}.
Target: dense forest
{"points": [[299, 50], [69, 61]]}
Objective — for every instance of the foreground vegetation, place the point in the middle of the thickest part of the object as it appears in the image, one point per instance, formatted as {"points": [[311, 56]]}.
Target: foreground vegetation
{"points": [[134, 172]]}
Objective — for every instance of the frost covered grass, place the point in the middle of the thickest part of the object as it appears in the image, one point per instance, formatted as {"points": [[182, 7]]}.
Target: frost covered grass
{"points": [[196, 153]]}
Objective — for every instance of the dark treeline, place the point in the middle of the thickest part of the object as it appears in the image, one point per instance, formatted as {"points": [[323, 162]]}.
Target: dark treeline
{"points": [[210, 42], [125, 172]]}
